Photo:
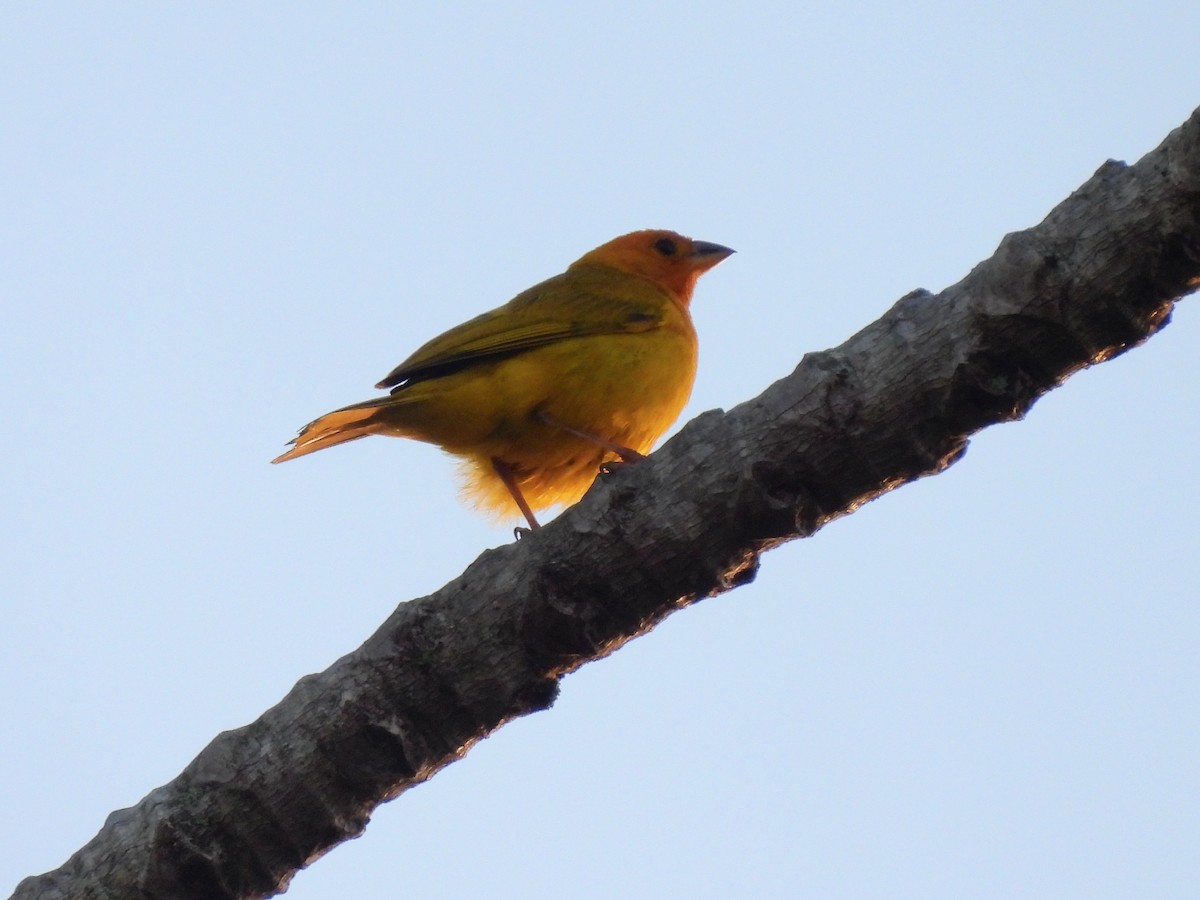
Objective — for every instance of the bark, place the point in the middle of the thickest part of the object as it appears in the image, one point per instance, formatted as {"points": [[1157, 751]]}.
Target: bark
{"points": [[895, 402]]}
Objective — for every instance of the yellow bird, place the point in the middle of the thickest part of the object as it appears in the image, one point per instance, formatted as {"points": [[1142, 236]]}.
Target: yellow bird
{"points": [[586, 368]]}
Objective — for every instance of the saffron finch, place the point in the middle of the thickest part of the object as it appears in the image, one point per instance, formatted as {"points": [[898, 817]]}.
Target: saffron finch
{"points": [[587, 368]]}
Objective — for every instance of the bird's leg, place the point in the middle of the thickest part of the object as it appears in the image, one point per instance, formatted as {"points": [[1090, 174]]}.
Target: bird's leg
{"points": [[627, 455], [505, 472]]}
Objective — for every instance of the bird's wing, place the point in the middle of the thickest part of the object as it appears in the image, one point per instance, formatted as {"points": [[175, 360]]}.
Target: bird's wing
{"points": [[552, 311]]}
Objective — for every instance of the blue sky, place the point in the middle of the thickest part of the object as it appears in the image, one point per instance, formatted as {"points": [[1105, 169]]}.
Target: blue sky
{"points": [[221, 221]]}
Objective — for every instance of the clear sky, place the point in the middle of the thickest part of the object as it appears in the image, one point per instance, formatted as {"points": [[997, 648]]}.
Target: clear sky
{"points": [[220, 220]]}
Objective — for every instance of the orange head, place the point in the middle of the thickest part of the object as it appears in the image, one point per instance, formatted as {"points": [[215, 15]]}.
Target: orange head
{"points": [[670, 260]]}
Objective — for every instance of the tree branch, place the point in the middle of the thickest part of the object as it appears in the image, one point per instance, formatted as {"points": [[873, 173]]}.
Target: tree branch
{"points": [[895, 402]]}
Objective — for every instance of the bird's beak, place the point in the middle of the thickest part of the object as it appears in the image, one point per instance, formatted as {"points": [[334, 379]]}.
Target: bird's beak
{"points": [[706, 255]]}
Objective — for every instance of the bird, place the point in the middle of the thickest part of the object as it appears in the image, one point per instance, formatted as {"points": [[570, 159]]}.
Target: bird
{"points": [[583, 371]]}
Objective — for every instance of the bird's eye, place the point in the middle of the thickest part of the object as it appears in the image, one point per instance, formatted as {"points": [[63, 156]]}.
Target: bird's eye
{"points": [[665, 246]]}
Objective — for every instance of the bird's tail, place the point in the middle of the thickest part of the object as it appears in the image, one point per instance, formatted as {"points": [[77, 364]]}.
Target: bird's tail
{"points": [[347, 424]]}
